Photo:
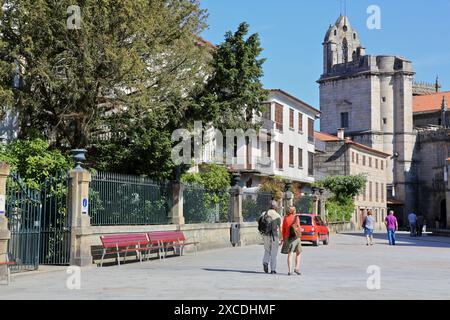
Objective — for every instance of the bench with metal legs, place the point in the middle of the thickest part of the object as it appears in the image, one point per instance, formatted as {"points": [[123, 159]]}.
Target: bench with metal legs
{"points": [[8, 264]]}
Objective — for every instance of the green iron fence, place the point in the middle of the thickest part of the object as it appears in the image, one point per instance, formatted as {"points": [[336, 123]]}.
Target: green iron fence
{"points": [[117, 199], [23, 210], [203, 206], [56, 221], [39, 222], [254, 204]]}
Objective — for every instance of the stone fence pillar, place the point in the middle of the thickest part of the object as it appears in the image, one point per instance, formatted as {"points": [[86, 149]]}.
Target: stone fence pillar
{"points": [[4, 232], [236, 195], [177, 212], [80, 254]]}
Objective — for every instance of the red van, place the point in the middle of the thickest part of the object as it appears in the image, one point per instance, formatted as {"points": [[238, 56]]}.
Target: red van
{"points": [[314, 229]]}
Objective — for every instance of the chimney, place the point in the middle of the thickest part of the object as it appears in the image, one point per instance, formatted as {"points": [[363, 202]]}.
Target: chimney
{"points": [[341, 133]]}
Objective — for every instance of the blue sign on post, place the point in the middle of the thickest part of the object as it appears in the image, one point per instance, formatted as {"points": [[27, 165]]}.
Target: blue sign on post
{"points": [[84, 206]]}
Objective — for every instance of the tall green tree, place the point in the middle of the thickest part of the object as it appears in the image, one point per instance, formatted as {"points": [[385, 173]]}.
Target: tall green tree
{"points": [[137, 58], [234, 90]]}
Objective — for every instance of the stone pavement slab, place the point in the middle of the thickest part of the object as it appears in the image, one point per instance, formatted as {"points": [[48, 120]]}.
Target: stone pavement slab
{"points": [[417, 268]]}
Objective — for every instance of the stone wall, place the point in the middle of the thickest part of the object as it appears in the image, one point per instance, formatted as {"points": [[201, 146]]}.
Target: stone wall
{"points": [[432, 151], [209, 236]]}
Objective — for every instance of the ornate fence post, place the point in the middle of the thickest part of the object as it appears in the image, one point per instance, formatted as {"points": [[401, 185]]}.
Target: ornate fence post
{"points": [[4, 232], [177, 212], [80, 253]]}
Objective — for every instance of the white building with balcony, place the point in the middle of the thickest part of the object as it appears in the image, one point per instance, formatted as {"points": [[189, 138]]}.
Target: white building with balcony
{"points": [[283, 148]]}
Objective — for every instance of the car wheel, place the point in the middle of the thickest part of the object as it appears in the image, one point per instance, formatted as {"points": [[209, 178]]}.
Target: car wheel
{"points": [[317, 241], [327, 240]]}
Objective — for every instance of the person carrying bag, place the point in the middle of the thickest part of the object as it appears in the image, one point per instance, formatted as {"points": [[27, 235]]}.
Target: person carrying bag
{"points": [[291, 238]]}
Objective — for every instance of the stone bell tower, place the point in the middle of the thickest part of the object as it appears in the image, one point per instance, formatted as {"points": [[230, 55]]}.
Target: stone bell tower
{"points": [[341, 44], [371, 98]]}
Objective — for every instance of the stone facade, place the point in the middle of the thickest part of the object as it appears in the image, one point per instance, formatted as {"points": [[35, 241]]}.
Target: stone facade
{"points": [[345, 157], [432, 152], [371, 97]]}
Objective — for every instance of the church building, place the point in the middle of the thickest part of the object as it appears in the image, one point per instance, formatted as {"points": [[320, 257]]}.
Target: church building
{"points": [[376, 102]]}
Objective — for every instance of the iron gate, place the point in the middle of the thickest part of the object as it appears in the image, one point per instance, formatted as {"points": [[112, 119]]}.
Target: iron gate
{"points": [[55, 221], [39, 221], [23, 210]]}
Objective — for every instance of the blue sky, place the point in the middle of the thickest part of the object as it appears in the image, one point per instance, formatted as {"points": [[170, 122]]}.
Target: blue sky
{"points": [[292, 32]]}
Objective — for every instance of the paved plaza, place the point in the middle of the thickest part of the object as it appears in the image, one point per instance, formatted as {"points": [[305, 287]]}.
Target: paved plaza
{"points": [[417, 268]]}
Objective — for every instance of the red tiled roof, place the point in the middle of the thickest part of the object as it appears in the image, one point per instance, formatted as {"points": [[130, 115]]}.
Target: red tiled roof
{"points": [[366, 148], [325, 137], [430, 102]]}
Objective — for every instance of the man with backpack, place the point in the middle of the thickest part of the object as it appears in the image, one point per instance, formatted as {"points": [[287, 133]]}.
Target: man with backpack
{"points": [[269, 225]]}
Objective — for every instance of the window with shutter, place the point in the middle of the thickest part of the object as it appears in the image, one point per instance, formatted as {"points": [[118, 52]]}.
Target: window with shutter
{"points": [[291, 119], [310, 164], [280, 156], [300, 122], [291, 156], [311, 130], [300, 158], [279, 117]]}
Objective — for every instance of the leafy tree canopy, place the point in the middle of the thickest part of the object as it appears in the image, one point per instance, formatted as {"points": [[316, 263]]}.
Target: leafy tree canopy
{"points": [[135, 57], [34, 160], [234, 91], [212, 176], [344, 186]]}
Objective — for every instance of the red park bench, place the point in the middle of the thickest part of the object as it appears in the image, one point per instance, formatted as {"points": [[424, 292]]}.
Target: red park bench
{"points": [[124, 243], [8, 272], [170, 239], [143, 243]]}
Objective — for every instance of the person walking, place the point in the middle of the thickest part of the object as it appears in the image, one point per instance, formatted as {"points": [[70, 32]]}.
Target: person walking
{"points": [[412, 219], [269, 224], [420, 223], [369, 226], [291, 241], [391, 226]]}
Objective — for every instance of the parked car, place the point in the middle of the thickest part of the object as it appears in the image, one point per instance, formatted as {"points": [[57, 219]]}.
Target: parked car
{"points": [[314, 229]]}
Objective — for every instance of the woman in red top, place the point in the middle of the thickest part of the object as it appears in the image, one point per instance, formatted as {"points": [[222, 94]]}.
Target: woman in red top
{"points": [[291, 243]]}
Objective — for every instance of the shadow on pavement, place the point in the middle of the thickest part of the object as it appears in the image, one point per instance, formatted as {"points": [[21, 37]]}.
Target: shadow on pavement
{"points": [[404, 240], [237, 271]]}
